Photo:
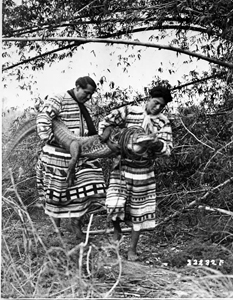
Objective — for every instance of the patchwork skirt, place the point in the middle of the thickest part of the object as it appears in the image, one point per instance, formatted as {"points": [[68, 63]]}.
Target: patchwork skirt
{"points": [[131, 195], [87, 192]]}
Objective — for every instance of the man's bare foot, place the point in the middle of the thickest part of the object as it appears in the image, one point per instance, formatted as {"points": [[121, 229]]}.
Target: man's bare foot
{"points": [[132, 255]]}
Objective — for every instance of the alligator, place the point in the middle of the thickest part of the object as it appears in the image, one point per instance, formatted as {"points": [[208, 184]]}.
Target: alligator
{"points": [[130, 142]]}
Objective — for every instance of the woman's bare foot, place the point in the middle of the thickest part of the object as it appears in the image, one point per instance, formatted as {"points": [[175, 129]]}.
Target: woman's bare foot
{"points": [[132, 255]]}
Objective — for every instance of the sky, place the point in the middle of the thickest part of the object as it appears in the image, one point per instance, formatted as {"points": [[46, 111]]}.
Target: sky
{"points": [[97, 60]]}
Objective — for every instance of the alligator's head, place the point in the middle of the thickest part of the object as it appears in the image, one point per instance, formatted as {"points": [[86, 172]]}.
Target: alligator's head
{"points": [[132, 140]]}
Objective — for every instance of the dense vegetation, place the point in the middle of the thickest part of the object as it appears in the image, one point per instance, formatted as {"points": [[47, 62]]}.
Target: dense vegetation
{"points": [[194, 224], [190, 253]]}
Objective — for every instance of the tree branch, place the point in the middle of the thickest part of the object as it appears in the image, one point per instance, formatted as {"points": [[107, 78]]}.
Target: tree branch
{"points": [[196, 138], [125, 42], [159, 27], [41, 55], [177, 213], [220, 74], [108, 17], [179, 87], [29, 30], [223, 211]]}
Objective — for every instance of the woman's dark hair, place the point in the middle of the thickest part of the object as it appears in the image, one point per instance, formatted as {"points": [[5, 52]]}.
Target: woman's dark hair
{"points": [[161, 91], [84, 81]]}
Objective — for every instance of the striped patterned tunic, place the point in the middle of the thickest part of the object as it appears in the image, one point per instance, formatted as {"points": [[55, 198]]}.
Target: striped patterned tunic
{"points": [[131, 195], [89, 186]]}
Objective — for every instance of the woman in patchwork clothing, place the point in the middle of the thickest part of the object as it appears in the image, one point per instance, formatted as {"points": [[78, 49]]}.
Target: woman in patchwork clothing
{"points": [[88, 188], [131, 195]]}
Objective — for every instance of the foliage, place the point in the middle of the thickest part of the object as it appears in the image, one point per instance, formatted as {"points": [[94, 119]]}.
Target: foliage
{"points": [[211, 24], [38, 262], [194, 185], [22, 161], [42, 264], [204, 28], [108, 18]]}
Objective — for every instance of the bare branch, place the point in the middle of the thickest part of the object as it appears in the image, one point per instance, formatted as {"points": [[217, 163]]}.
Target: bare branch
{"points": [[211, 191], [220, 74], [226, 212], [156, 26], [212, 157], [195, 136], [176, 213]]}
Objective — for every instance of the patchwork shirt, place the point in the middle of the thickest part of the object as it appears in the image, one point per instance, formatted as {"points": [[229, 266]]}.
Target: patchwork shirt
{"points": [[128, 116]]}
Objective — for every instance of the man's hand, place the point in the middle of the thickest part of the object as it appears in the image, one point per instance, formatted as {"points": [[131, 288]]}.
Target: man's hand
{"points": [[157, 146], [114, 147], [105, 135]]}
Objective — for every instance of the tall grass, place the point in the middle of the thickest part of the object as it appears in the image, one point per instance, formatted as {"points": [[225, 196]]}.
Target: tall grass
{"points": [[37, 262]]}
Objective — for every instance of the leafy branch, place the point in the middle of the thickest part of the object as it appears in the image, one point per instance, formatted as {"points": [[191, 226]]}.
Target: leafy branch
{"points": [[124, 42]]}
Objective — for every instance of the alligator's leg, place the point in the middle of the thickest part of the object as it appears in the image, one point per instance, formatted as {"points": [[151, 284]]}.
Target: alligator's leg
{"points": [[75, 151], [74, 148]]}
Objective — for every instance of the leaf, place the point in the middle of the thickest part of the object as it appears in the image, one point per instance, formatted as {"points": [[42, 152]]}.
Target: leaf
{"points": [[111, 85], [93, 52]]}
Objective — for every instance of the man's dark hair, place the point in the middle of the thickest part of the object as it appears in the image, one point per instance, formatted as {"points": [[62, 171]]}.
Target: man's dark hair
{"points": [[84, 81], [161, 91]]}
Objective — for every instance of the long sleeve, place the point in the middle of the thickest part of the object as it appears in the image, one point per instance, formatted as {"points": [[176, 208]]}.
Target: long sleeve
{"points": [[50, 110], [163, 135], [116, 118], [156, 126]]}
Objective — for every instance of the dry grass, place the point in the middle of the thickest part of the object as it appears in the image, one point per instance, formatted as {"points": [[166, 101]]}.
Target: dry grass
{"points": [[36, 264]]}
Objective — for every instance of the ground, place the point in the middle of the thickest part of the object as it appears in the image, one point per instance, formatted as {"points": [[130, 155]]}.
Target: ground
{"points": [[174, 261]]}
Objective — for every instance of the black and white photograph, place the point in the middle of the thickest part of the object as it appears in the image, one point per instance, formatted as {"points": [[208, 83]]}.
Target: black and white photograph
{"points": [[117, 149]]}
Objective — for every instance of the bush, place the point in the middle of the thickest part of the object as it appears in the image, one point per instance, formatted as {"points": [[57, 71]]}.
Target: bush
{"points": [[194, 209]]}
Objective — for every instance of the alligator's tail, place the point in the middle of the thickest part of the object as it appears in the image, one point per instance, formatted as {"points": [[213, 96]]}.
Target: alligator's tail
{"points": [[24, 131]]}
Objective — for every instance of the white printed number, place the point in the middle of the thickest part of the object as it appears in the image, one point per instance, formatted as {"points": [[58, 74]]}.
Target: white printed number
{"points": [[205, 262]]}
